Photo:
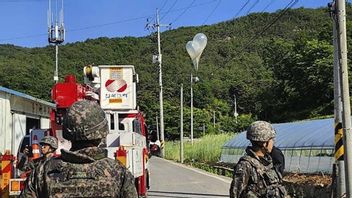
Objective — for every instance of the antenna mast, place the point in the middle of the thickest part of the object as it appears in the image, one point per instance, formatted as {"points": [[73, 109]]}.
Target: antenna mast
{"points": [[56, 30]]}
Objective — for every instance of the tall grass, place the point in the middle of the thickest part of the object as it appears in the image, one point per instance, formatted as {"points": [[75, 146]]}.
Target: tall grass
{"points": [[206, 149]]}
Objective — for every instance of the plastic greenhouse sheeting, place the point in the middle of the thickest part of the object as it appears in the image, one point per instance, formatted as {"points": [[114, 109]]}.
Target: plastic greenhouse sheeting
{"points": [[302, 134]]}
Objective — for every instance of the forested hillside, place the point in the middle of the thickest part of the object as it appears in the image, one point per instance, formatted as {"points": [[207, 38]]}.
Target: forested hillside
{"points": [[281, 73]]}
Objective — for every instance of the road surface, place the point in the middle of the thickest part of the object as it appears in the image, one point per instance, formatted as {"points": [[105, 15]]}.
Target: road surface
{"points": [[169, 179]]}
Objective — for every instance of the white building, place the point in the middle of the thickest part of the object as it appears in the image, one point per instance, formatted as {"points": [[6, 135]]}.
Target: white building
{"points": [[19, 113]]}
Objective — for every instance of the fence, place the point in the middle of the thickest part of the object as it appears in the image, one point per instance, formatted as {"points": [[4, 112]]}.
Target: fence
{"points": [[297, 160]]}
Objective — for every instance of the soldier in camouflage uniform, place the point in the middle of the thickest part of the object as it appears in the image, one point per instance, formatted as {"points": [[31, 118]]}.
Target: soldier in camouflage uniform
{"points": [[85, 170], [254, 175], [48, 147]]}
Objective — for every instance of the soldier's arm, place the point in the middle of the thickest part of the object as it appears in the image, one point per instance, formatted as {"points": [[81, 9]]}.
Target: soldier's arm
{"points": [[26, 165], [29, 189], [23, 163], [31, 165], [240, 179], [128, 189]]}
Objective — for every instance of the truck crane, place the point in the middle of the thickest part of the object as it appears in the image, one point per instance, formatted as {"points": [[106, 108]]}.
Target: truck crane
{"points": [[114, 88]]}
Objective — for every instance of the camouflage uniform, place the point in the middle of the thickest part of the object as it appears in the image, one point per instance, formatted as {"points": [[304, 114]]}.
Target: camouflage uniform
{"points": [[85, 172], [256, 176], [27, 165]]}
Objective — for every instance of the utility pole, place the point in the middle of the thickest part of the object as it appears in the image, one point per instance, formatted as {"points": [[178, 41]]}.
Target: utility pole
{"points": [[191, 108], [158, 59], [346, 116], [339, 145], [181, 126], [199, 40], [235, 103], [193, 79], [157, 129], [203, 129], [214, 119]]}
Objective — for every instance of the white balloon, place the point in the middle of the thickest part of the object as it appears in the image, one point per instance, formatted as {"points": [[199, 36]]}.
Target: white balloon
{"points": [[201, 39], [193, 49], [196, 62]]}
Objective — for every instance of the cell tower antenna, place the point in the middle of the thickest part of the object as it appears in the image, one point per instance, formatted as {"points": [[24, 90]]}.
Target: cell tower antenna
{"points": [[62, 13], [56, 30]]}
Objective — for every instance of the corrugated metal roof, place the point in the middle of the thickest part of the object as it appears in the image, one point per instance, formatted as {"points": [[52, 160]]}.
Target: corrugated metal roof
{"points": [[28, 97], [302, 134]]}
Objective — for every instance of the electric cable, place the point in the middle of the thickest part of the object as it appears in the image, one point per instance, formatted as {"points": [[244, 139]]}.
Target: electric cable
{"points": [[250, 9], [281, 14], [162, 7], [182, 13], [107, 24], [240, 10], [167, 12], [267, 6], [212, 12]]}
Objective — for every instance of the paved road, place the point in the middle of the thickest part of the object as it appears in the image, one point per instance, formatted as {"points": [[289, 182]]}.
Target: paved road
{"points": [[169, 179]]}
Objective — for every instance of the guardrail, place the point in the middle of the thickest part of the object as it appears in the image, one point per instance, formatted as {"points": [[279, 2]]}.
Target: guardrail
{"points": [[220, 170]]}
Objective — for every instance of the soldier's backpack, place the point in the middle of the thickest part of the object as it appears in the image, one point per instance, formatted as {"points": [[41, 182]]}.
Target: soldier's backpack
{"points": [[267, 182], [96, 179]]}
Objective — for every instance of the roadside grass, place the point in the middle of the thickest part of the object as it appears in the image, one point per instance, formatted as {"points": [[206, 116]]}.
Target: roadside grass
{"points": [[204, 150]]}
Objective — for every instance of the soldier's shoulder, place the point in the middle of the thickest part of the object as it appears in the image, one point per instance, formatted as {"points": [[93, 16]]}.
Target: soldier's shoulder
{"points": [[246, 160], [52, 163], [243, 164]]}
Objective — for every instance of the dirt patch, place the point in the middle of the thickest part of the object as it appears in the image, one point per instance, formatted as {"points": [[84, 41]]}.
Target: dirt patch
{"points": [[308, 179], [308, 185]]}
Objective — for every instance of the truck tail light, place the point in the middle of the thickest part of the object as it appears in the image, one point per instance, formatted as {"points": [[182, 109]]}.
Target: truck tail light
{"points": [[121, 155]]}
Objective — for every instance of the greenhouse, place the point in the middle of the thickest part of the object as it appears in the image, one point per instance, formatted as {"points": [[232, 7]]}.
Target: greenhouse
{"points": [[308, 146]]}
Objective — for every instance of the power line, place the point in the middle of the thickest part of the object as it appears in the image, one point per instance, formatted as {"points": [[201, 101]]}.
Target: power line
{"points": [[212, 12], [107, 24], [287, 7], [20, 1], [240, 10], [167, 12], [184, 11], [196, 5], [80, 29], [24, 37], [162, 7], [250, 9], [281, 14], [269, 4]]}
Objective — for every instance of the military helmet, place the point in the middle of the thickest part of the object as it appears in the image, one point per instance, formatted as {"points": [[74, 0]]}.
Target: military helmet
{"points": [[49, 140], [85, 120], [260, 131]]}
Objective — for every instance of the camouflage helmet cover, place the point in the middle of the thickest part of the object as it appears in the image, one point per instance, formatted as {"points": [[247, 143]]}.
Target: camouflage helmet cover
{"points": [[49, 140], [85, 120], [260, 131]]}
